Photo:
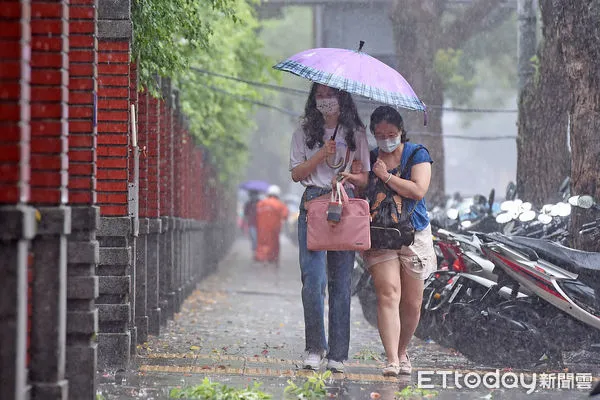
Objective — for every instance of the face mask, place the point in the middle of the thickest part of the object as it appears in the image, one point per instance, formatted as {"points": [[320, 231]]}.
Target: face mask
{"points": [[389, 145], [328, 106]]}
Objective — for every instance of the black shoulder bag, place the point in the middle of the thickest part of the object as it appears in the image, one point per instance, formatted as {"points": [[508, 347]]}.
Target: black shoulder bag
{"points": [[391, 223]]}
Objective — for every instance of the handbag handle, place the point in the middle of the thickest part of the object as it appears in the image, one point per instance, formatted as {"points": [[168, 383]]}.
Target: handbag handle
{"points": [[338, 193], [344, 195]]}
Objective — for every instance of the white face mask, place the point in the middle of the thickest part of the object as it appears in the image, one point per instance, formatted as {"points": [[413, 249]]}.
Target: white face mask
{"points": [[389, 145], [329, 106]]}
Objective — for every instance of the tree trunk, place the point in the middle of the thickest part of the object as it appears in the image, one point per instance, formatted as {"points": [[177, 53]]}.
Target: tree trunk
{"points": [[543, 158], [579, 37], [417, 32]]}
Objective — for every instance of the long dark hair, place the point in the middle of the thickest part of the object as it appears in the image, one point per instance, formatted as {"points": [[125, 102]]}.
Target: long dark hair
{"points": [[391, 116], [313, 122]]}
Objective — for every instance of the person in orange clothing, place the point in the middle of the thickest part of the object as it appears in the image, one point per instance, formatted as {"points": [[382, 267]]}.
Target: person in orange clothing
{"points": [[270, 214]]}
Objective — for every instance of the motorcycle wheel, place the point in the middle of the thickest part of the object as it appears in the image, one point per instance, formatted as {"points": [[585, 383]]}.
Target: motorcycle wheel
{"points": [[368, 301]]}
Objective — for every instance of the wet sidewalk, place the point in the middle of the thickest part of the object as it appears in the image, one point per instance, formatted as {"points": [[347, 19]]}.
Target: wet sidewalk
{"points": [[245, 323]]}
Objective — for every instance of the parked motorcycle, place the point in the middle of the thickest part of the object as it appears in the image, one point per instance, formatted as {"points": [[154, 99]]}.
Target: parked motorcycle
{"points": [[565, 283]]}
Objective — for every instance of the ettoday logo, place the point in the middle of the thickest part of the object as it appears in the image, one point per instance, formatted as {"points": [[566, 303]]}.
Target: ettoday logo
{"points": [[507, 380]]}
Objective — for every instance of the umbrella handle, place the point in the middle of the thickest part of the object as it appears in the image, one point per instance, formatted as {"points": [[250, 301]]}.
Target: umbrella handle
{"points": [[341, 161], [336, 165]]}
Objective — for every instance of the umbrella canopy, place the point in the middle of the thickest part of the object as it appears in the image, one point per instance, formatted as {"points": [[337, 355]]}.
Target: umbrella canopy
{"points": [[354, 72], [255, 185]]}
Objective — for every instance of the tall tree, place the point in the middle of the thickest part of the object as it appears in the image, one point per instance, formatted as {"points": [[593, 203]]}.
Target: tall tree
{"points": [[578, 25], [424, 30], [543, 159]]}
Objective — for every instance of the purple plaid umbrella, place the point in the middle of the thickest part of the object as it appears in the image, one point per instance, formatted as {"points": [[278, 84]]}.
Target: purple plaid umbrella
{"points": [[354, 72], [254, 185]]}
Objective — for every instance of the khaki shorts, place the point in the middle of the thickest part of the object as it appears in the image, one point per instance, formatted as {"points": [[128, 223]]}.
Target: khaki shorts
{"points": [[418, 260]]}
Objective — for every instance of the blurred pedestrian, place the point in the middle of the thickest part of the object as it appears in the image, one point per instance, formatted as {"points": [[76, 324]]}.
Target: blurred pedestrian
{"points": [[250, 217], [271, 213], [330, 128]]}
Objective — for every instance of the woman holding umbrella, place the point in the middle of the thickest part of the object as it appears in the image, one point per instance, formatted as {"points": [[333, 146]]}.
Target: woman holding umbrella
{"points": [[329, 128]]}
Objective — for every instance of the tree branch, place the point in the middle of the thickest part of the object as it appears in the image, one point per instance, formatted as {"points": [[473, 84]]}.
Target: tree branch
{"points": [[482, 15]]}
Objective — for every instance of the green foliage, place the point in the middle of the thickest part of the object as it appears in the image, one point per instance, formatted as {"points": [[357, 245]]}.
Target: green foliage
{"points": [[367, 354], [172, 36], [208, 390], [313, 387], [220, 115], [100, 397], [167, 31], [412, 392], [450, 68]]}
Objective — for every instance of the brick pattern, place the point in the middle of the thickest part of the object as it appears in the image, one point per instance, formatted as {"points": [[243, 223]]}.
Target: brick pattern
{"points": [[153, 152], [83, 72], [49, 97], [113, 126], [165, 164], [15, 45], [177, 164], [133, 100], [143, 145]]}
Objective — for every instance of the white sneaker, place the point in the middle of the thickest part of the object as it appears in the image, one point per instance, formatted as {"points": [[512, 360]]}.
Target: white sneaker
{"points": [[312, 361], [335, 366]]}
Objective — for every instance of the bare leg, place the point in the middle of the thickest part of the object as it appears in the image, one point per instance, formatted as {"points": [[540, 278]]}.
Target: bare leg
{"points": [[410, 310], [386, 277]]}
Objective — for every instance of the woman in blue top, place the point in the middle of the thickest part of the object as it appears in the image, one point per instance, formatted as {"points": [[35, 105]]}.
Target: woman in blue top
{"points": [[398, 275]]}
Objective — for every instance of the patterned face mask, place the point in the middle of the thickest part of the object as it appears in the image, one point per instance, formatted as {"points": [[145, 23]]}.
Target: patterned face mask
{"points": [[328, 106]]}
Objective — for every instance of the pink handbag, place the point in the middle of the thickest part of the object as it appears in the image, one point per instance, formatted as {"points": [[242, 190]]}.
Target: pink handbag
{"points": [[351, 233]]}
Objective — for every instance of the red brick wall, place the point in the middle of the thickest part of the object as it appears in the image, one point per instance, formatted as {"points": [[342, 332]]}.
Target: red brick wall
{"points": [[165, 161], [153, 175], [49, 96], [113, 126], [177, 165], [133, 99], [15, 38], [83, 59], [143, 145]]}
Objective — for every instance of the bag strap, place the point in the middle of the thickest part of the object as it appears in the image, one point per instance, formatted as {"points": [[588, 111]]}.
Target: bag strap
{"points": [[410, 159], [408, 164]]}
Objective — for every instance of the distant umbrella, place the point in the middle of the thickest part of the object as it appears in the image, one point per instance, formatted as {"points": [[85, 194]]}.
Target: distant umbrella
{"points": [[255, 185]]}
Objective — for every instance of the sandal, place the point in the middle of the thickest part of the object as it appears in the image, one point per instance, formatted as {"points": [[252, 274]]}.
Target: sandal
{"points": [[405, 367], [392, 369]]}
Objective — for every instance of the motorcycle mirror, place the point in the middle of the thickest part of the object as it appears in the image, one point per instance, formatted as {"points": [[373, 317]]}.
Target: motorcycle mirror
{"points": [[466, 224], [527, 216], [507, 205], [573, 200], [547, 208], [544, 219], [491, 199], [504, 218], [585, 201], [564, 210], [452, 213], [511, 191]]}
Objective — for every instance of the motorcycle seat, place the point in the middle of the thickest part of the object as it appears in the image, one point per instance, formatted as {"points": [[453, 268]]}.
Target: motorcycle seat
{"points": [[573, 260]]}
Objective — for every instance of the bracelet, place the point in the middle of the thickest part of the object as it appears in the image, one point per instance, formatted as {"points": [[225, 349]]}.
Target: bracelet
{"points": [[388, 179]]}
